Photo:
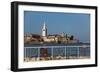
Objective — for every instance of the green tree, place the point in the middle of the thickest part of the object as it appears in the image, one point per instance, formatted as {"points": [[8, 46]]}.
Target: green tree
{"points": [[71, 37]]}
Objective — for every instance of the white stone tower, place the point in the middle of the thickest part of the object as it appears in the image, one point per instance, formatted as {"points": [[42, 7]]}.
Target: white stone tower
{"points": [[44, 30]]}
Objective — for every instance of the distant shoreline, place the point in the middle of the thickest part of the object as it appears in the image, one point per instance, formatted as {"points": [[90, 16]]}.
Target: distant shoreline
{"points": [[54, 44]]}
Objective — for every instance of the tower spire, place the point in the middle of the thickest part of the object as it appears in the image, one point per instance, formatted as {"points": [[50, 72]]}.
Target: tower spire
{"points": [[44, 26]]}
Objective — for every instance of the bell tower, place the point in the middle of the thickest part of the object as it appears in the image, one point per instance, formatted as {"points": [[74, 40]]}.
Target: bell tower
{"points": [[44, 30]]}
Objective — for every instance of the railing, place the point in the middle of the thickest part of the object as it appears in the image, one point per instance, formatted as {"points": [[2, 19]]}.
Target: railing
{"points": [[56, 52]]}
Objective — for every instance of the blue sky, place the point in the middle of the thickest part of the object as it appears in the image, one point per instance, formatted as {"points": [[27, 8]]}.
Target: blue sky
{"points": [[76, 24]]}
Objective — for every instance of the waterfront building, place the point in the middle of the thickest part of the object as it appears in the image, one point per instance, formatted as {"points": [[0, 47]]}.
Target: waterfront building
{"points": [[55, 38]]}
